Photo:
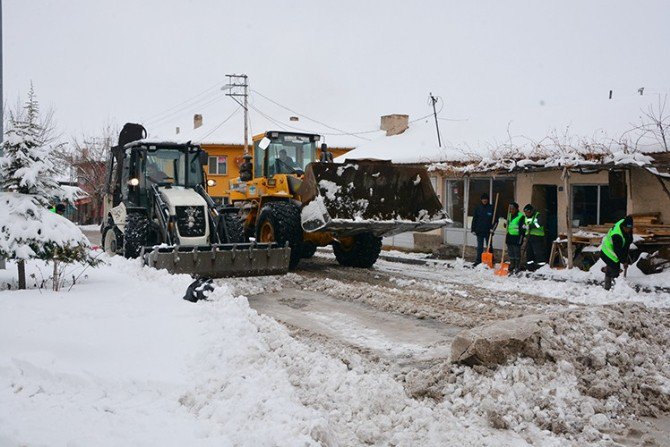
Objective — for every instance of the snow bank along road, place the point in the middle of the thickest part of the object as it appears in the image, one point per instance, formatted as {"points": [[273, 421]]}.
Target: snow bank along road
{"points": [[599, 370], [361, 358]]}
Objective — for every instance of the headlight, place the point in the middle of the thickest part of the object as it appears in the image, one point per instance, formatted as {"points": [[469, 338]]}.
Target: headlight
{"points": [[211, 182], [134, 181]]}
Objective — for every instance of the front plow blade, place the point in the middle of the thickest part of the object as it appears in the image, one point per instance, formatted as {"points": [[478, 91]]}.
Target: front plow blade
{"points": [[221, 261], [369, 196]]}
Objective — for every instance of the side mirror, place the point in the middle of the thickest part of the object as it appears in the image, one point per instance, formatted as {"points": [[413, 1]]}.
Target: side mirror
{"points": [[265, 142], [204, 158]]}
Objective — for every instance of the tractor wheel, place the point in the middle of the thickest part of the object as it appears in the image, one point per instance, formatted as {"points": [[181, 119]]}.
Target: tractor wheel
{"points": [[363, 252], [308, 250], [112, 238], [136, 234], [280, 222], [234, 229]]}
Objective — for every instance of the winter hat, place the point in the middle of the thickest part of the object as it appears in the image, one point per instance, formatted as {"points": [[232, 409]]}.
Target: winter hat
{"points": [[628, 222], [484, 196], [528, 207]]}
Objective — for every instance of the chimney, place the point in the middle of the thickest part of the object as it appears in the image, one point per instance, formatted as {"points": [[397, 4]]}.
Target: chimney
{"points": [[197, 120], [394, 124]]}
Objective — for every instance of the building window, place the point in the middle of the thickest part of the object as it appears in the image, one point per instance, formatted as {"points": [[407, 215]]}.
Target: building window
{"points": [[503, 188], [217, 165], [596, 205], [454, 190]]}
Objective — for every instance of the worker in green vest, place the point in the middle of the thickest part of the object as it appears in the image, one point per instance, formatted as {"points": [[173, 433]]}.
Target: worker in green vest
{"points": [[614, 249], [514, 237], [58, 209], [534, 231]]}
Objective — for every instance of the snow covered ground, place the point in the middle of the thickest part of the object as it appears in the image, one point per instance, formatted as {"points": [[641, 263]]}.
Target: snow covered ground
{"points": [[120, 359]]}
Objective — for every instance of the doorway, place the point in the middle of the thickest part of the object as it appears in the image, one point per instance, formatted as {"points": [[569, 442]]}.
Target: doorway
{"points": [[545, 200]]}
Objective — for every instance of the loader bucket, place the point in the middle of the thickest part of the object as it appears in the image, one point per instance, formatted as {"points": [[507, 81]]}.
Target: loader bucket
{"points": [[369, 196], [220, 261]]}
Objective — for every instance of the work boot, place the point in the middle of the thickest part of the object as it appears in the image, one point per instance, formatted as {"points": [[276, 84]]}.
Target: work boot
{"points": [[608, 283]]}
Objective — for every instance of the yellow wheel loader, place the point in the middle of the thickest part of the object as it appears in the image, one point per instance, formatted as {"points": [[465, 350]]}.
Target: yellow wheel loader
{"points": [[289, 196], [156, 208]]}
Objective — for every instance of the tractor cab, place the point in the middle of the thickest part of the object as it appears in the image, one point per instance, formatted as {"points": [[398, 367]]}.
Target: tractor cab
{"points": [[284, 153], [165, 165]]}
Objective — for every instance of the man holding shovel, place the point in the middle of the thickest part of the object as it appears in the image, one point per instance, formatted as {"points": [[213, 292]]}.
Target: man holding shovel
{"points": [[483, 225], [614, 249]]}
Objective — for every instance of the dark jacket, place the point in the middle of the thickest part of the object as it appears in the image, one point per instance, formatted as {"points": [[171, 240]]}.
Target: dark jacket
{"points": [[621, 248], [482, 221]]}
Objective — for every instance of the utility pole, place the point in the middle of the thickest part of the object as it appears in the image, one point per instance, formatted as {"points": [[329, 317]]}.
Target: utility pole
{"points": [[235, 83], [2, 97], [2, 111], [433, 100]]}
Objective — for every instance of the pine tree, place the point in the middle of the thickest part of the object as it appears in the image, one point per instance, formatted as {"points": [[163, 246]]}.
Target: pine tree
{"points": [[26, 166], [27, 229]]}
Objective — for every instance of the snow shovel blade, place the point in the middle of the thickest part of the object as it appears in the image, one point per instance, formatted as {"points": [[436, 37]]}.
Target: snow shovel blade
{"points": [[372, 196], [221, 260], [503, 270], [487, 259]]}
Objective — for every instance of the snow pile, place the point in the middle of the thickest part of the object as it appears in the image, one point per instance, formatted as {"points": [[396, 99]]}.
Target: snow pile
{"points": [[123, 360], [344, 403], [596, 367], [29, 230]]}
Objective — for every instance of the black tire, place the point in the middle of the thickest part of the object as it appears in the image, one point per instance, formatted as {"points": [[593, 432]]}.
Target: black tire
{"points": [[234, 229], [282, 220], [135, 235], [112, 238], [363, 253], [308, 249]]}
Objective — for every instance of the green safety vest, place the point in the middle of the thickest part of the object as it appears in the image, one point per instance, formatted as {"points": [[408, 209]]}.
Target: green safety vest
{"points": [[608, 246], [514, 224], [532, 229]]}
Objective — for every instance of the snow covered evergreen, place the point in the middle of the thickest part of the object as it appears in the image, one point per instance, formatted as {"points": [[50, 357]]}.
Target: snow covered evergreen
{"points": [[28, 230], [27, 166]]}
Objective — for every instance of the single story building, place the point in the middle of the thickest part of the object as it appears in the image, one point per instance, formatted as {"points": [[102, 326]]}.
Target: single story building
{"points": [[576, 181]]}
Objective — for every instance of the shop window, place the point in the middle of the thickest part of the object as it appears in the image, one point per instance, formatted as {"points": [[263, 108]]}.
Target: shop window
{"points": [[505, 190], [477, 188], [217, 165], [597, 205], [454, 201]]}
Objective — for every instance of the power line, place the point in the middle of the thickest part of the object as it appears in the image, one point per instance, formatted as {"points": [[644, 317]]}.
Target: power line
{"points": [[195, 106], [344, 132], [221, 123], [155, 116]]}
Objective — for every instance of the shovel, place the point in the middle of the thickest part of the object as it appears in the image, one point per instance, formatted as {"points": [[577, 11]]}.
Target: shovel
{"points": [[487, 256], [503, 270]]}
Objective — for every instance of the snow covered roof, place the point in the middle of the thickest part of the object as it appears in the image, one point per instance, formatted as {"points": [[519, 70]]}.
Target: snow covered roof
{"points": [[599, 132]]}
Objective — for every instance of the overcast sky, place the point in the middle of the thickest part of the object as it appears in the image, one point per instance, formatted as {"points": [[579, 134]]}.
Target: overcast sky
{"points": [[342, 62]]}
